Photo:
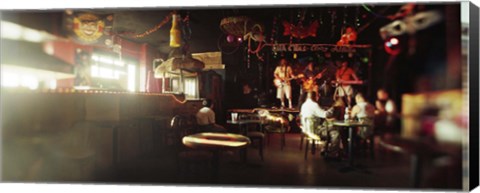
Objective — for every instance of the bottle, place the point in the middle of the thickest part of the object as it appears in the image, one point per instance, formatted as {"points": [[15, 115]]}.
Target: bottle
{"points": [[175, 33], [346, 116]]}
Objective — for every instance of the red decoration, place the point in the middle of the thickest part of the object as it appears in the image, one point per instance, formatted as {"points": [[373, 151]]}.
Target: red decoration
{"points": [[300, 31], [349, 37]]}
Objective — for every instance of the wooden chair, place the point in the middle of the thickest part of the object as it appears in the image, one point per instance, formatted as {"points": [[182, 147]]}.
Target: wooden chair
{"points": [[310, 133], [367, 143], [277, 127], [256, 133]]}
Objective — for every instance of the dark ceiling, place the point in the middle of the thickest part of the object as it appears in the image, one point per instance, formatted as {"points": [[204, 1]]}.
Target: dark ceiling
{"points": [[204, 22]]}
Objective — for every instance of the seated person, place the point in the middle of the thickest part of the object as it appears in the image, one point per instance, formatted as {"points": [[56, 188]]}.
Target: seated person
{"points": [[249, 98], [310, 113], [363, 111], [206, 118], [384, 104], [385, 113]]}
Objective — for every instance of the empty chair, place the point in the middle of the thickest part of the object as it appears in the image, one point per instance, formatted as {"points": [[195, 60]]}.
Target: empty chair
{"points": [[277, 124], [256, 134]]}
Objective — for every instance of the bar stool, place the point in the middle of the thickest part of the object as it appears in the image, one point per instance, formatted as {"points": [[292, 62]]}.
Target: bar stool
{"points": [[189, 161]]}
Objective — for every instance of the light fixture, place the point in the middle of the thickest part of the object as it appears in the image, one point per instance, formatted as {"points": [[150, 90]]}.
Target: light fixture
{"points": [[175, 33]]}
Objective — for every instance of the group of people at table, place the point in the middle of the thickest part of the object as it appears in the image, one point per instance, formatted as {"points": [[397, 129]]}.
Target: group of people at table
{"points": [[314, 119]]}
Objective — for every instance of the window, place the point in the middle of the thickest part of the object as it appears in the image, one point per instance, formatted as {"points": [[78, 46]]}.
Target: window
{"points": [[107, 68]]}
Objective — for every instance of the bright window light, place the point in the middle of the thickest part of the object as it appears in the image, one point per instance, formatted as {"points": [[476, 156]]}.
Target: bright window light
{"points": [[17, 32], [190, 87], [30, 82], [131, 78], [95, 58], [10, 79], [106, 60], [119, 63], [106, 73], [32, 35], [11, 30], [52, 84], [94, 70]]}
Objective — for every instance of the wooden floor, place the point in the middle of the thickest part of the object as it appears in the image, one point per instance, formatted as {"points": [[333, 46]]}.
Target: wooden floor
{"points": [[281, 168]]}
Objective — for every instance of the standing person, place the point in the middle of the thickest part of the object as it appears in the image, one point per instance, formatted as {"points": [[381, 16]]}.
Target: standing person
{"points": [[206, 118], [283, 74], [345, 75]]}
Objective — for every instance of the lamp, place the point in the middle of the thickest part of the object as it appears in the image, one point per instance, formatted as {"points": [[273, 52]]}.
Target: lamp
{"points": [[175, 33]]}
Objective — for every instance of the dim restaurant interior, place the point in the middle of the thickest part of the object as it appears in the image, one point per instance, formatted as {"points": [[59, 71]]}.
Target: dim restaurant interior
{"points": [[364, 95]]}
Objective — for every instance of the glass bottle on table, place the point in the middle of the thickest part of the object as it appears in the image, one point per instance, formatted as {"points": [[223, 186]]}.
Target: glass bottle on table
{"points": [[346, 116]]}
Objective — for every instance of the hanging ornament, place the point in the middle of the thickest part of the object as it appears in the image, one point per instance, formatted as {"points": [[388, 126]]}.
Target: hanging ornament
{"points": [[230, 38]]}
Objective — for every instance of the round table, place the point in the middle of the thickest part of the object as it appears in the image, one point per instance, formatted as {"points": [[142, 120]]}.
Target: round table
{"points": [[216, 142], [350, 125], [240, 123]]}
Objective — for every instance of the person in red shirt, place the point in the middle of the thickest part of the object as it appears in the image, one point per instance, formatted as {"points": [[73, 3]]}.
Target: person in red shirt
{"points": [[344, 75]]}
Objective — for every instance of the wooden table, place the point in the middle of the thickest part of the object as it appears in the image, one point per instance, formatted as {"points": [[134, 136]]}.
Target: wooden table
{"points": [[216, 142], [241, 123], [350, 125]]}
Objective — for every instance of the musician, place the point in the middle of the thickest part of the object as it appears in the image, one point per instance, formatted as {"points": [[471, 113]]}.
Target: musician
{"points": [[343, 75], [310, 76], [283, 74]]}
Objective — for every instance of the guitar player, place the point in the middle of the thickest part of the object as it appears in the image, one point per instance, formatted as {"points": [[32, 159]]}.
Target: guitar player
{"points": [[310, 77], [283, 74], [344, 76]]}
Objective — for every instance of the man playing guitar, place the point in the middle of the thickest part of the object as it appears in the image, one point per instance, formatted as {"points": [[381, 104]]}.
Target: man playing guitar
{"points": [[283, 74], [345, 78], [310, 76]]}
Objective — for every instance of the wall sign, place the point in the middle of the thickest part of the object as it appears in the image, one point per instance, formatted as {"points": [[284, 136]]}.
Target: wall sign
{"points": [[316, 48], [88, 28]]}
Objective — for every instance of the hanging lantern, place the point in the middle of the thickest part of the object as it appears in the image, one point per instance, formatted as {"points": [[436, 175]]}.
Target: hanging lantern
{"points": [[175, 32], [236, 25]]}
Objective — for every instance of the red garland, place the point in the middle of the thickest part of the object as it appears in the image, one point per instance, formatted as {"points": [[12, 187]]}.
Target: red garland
{"points": [[154, 29], [299, 31]]}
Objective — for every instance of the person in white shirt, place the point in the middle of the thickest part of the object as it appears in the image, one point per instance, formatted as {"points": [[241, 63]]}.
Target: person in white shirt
{"points": [[311, 115], [311, 109], [363, 111], [206, 118], [283, 74]]}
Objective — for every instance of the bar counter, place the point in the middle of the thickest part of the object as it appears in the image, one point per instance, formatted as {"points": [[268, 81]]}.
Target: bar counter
{"points": [[47, 128]]}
